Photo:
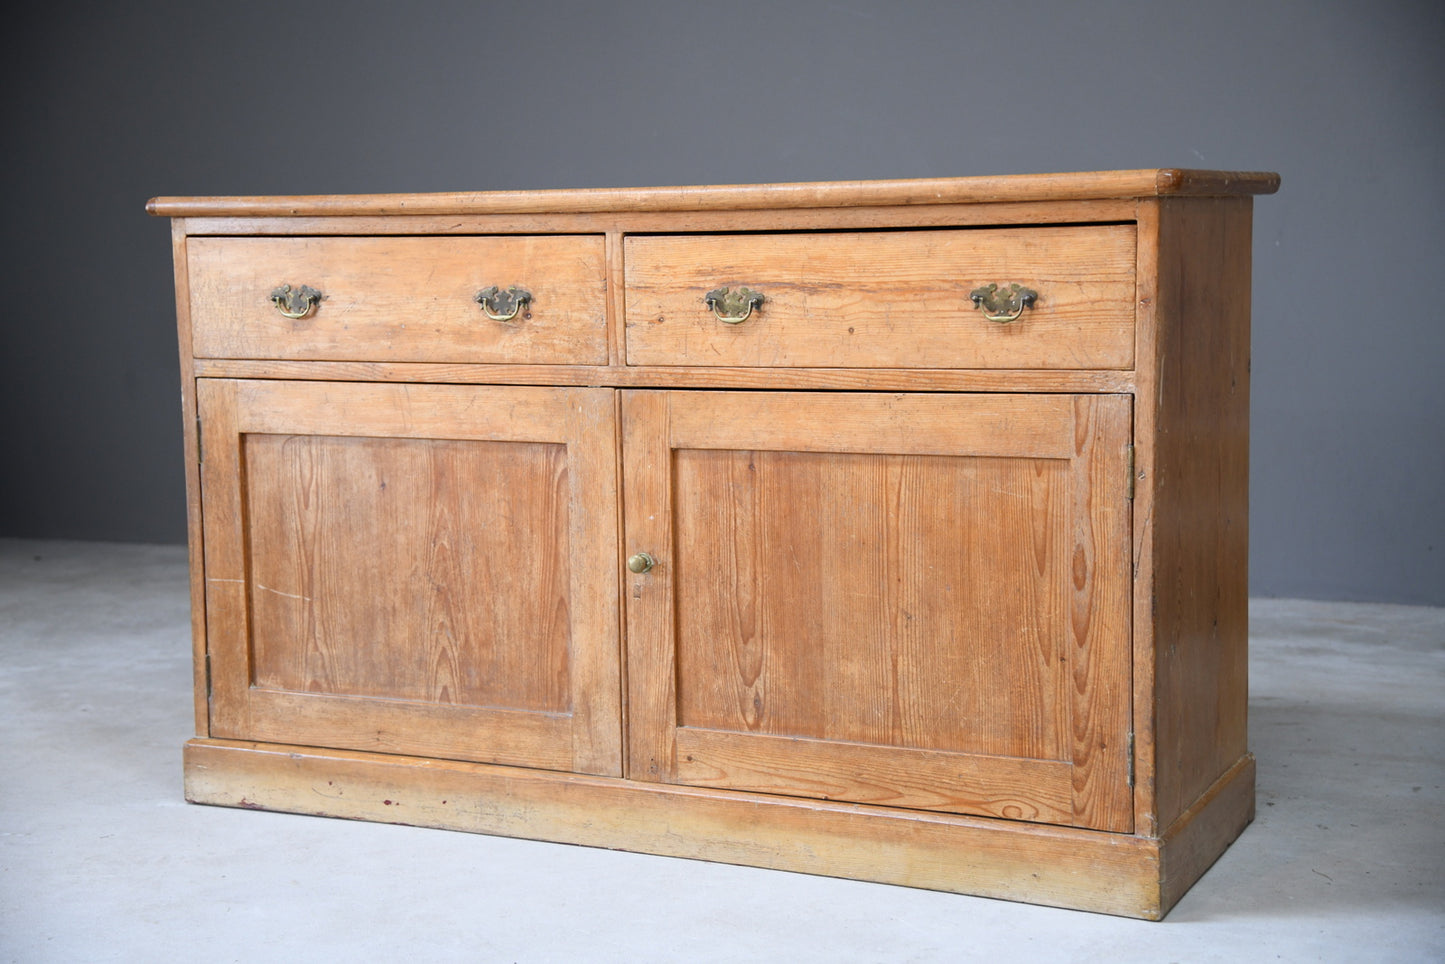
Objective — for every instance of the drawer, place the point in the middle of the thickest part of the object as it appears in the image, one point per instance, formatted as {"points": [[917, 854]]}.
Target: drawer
{"points": [[400, 299], [887, 299]]}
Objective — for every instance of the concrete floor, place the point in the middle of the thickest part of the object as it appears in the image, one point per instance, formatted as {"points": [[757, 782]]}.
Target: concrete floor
{"points": [[101, 860]]}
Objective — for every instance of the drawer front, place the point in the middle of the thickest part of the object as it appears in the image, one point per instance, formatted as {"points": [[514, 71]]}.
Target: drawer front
{"points": [[400, 299], [885, 299]]}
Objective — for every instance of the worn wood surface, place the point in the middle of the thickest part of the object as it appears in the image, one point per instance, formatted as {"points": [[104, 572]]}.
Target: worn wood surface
{"points": [[190, 447], [904, 637], [400, 299], [420, 569], [1200, 498], [885, 300], [1015, 187], [946, 574], [855, 379], [989, 214], [380, 567], [1104, 872], [1198, 836], [1146, 815]]}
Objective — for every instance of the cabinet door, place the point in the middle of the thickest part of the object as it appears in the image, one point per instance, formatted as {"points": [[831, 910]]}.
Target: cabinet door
{"points": [[417, 569], [915, 601]]}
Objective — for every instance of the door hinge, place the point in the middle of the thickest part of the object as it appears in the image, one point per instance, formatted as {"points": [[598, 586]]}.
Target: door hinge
{"points": [[199, 458], [1129, 490], [1130, 752], [208, 677]]}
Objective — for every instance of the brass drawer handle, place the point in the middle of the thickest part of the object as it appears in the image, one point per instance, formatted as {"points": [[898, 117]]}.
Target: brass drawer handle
{"points": [[1003, 305], [295, 302], [642, 562], [733, 307], [500, 305]]}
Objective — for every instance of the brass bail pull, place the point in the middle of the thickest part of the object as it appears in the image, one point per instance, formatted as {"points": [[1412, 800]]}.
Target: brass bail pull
{"points": [[1003, 305], [733, 307], [295, 302], [500, 305]]}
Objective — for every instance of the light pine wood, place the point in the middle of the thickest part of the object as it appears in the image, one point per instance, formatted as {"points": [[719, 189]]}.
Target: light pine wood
{"points": [[1200, 498], [1146, 427], [856, 379], [971, 190], [400, 299], [361, 553], [916, 616], [417, 569], [1006, 786], [1108, 873], [986, 214], [828, 583], [1197, 836], [889, 300], [190, 445], [1086, 870]]}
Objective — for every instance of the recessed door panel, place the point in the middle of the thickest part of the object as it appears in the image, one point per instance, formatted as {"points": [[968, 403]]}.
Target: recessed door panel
{"points": [[414, 569]]}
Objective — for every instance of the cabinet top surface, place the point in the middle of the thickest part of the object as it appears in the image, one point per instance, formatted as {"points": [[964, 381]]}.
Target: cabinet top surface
{"points": [[957, 190]]}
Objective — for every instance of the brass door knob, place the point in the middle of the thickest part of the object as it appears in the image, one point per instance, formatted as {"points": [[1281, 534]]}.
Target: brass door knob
{"points": [[642, 562]]}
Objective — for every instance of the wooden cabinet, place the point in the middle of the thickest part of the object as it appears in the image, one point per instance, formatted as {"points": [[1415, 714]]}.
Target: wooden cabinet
{"points": [[891, 530]]}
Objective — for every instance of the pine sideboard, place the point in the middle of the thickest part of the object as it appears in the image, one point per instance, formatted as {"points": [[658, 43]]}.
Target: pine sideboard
{"points": [[890, 530]]}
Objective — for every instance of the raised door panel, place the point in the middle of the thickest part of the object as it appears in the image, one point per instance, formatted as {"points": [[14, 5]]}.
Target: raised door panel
{"points": [[904, 600], [426, 570]]}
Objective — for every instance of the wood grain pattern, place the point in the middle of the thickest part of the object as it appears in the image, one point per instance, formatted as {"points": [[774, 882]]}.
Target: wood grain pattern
{"points": [[1146, 811], [1200, 540], [1009, 787], [861, 598], [228, 617], [190, 444], [992, 214], [647, 527], [1014, 187], [378, 567], [1104, 872], [905, 623], [1099, 613], [400, 299], [1199, 835], [966, 605], [1033, 426], [893, 300], [859, 379], [416, 569]]}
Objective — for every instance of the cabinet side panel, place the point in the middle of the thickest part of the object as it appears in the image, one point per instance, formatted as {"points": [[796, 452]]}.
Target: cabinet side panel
{"points": [[1201, 497]]}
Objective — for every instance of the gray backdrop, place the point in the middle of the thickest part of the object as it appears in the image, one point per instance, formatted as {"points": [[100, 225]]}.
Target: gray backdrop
{"points": [[107, 104]]}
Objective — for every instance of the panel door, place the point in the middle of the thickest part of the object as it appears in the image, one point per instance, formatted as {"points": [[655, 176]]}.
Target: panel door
{"points": [[417, 569], [915, 601]]}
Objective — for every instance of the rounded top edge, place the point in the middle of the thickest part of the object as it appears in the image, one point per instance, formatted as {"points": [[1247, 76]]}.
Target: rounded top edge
{"points": [[823, 194]]}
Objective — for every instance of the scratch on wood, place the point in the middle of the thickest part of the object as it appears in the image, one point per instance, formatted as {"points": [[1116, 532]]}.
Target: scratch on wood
{"points": [[288, 595]]}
